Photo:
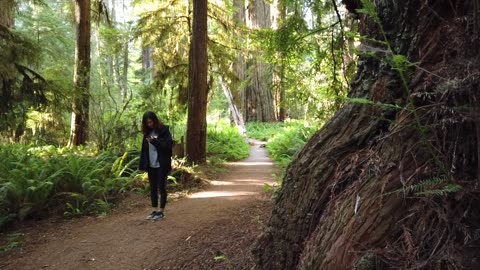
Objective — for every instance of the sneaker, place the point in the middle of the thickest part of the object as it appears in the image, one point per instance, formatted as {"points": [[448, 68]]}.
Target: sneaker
{"points": [[158, 216], [152, 215]]}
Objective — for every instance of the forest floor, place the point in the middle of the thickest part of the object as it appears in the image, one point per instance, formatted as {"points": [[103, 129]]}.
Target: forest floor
{"points": [[211, 229]]}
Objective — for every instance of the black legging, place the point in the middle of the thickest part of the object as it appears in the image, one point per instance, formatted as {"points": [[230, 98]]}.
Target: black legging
{"points": [[158, 178]]}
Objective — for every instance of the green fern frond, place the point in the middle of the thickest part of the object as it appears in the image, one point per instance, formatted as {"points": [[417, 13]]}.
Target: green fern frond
{"points": [[435, 186]]}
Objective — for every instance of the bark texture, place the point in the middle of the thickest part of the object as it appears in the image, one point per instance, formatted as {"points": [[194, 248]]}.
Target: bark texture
{"points": [[7, 67], [198, 87], [7, 13], [234, 112], [240, 65], [257, 98], [336, 209], [147, 64], [81, 79]]}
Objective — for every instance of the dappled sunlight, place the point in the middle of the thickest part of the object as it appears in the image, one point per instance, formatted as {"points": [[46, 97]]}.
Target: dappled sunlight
{"points": [[214, 194], [250, 181], [252, 163], [228, 183]]}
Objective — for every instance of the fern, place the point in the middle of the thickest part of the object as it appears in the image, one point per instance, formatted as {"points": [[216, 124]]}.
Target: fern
{"points": [[450, 188], [435, 186]]}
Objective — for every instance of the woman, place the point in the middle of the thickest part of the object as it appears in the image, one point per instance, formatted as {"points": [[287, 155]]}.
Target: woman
{"points": [[156, 159]]}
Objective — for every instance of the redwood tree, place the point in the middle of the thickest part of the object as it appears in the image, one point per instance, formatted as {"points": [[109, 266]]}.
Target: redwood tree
{"points": [[7, 66], [81, 77], [257, 98], [377, 186], [197, 86]]}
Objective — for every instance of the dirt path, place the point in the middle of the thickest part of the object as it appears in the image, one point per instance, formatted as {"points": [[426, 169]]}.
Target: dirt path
{"points": [[213, 229]]}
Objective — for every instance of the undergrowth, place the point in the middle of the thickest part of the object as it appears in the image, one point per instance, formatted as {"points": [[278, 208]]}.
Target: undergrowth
{"points": [[43, 181], [37, 182], [263, 131], [224, 142], [289, 139]]}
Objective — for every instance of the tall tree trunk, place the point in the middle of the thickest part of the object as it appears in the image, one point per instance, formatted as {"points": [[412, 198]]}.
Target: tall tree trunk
{"points": [[147, 64], [7, 13], [357, 195], [125, 71], [197, 86], [81, 79], [236, 115], [240, 66], [258, 94], [7, 79], [282, 113]]}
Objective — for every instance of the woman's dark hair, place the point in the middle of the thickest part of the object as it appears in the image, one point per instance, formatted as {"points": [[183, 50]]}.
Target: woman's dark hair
{"points": [[156, 123]]}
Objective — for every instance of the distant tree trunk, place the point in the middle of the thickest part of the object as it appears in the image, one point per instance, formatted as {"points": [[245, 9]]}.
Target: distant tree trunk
{"points": [[258, 97], [81, 79], [125, 71], [240, 66], [236, 114], [7, 13], [282, 113], [147, 64], [359, 194], [197, 86]]}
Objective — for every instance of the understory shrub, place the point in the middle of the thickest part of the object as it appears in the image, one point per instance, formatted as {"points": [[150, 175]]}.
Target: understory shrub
{"points": [[225, 142], [263, 131], [289, 139], [35, 181]]}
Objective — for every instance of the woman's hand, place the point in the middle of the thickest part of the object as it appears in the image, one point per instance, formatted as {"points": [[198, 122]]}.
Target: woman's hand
{"points": [[151, 138]]}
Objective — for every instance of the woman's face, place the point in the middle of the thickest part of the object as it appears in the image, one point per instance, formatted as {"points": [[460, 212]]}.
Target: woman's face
{"points": [[149, 123]]}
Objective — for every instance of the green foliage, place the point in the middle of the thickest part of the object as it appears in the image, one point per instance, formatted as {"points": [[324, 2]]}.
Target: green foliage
{"points": [[290, 140], [263, 131], [312, 57], [366, 101], [284, 140], [225, 142], [267, 188], [31, 179], [369, 9], [12, 241], [220, 258], [38, 55], [431, 187]]}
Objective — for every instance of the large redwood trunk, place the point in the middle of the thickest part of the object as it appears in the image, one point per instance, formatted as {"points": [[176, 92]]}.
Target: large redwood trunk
{"points": [[240, 65], [7, 77], [257, 98], [197, 86], [7, 13], [81, 79], [352, 198]]}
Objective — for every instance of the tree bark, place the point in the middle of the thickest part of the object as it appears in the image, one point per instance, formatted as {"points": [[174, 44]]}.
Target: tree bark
{"points": [[240, 66], [7, 79], [236, 115], [7, 13], [125, 94], [147, 65], [352, 198], [258, 97], [198, 87], [81, 79], [282, 112]]}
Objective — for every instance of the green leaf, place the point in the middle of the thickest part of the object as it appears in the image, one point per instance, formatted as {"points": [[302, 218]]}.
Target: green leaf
{"points": [[369, 9], [220, 258]]}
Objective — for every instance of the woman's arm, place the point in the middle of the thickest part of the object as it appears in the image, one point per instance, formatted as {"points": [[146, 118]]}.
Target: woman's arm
{"points": [[164, 142]]}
